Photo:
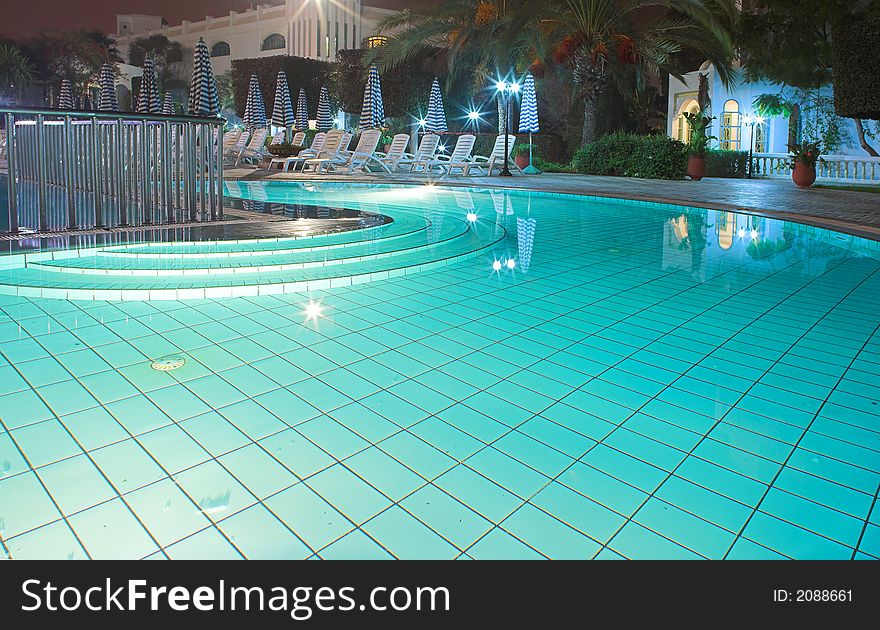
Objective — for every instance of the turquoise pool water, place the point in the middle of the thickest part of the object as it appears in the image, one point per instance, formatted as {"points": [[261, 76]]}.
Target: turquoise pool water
{"points": [[491, 374]]}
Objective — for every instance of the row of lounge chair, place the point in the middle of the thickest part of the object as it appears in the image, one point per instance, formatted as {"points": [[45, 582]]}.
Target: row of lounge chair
{"points": [[329, 153]]}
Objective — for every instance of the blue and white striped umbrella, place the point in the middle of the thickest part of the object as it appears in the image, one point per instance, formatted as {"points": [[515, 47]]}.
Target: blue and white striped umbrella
{"points": [[525, 241], [302, 111], [436, 118], [372, 111], [65, 97], [325, 116], [109, 103], [528, 117], [282, 110], [168, 104], [528, 111], [255, 109], [203, 97], [148, 98]]}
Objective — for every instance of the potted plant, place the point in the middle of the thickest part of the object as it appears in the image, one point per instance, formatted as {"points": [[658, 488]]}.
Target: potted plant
{"points": [[385, 141], [803, 163], [699, 144], [521, 155], [285, 149]]}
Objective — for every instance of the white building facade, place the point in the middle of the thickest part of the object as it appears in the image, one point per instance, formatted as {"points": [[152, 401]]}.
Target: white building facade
{"points": [[736, 125], [316, 29]]}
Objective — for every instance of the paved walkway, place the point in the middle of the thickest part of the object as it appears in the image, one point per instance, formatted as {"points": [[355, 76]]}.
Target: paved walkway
{"points": [[847, 211]]}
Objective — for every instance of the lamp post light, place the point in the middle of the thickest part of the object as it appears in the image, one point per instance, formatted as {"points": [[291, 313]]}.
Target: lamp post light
{"points": [[751, 121], [506, 90]]}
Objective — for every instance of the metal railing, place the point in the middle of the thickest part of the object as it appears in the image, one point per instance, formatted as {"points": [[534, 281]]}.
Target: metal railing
{"points": [[853, 168], [73, 170]]}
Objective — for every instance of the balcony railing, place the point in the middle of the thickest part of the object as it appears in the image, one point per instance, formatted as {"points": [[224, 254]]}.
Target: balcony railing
{"points": [[71, 170], [851, 168]]}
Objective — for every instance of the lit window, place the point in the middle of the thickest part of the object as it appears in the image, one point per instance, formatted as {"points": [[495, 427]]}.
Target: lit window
{"points": [[681, 128], [760, 138], [730, 126], [275, 41], [375, 41], [220, 49]]}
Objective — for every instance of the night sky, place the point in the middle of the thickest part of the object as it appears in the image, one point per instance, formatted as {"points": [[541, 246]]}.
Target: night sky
{"points": [[33, 16]]}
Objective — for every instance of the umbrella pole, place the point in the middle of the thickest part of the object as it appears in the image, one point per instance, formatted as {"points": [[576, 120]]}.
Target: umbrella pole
{"points": [[530, 169]]}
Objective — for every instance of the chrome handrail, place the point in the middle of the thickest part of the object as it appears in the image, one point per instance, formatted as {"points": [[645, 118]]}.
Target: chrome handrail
{"points": [[71, 170]]}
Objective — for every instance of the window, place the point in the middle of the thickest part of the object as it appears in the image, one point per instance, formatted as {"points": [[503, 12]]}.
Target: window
{"points": [[220, 49], [730, 126], [275, 41], [760, 132], [375, 41], [681, 129]]}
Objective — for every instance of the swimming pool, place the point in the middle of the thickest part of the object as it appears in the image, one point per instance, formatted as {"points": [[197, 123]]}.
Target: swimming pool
{"points": [[488, 374]]}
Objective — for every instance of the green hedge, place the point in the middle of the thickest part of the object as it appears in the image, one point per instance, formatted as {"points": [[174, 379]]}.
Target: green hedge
{"points": [[310, 74], [727, 163], [631, 155], [856, 68]]}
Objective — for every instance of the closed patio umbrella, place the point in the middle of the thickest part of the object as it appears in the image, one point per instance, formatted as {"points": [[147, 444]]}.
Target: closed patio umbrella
{"points": [[255, 108], [528, 117], [325, 117], [436, 118], [282, 110], [107, 80], [65, 97], [148, 98], [302, 111], [168, 104], [372, 110], [203, 97]]}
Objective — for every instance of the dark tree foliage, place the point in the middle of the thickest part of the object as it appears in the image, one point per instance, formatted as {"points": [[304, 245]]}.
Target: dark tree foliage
{"points": [[789, 41], [310, 74], [857, 69]]}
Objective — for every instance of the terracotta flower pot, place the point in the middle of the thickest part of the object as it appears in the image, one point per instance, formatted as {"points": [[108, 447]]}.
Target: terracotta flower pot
{"points": [[522, 161], [696, 167], [803, 175], [386, 148]]}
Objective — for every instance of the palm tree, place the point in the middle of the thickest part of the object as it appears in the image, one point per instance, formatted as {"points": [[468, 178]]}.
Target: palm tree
{"points": [[621, 41], [15, 69]]}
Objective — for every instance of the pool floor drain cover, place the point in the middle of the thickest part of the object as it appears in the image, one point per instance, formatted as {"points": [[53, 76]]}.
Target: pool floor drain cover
{"points": [[168, 363]]}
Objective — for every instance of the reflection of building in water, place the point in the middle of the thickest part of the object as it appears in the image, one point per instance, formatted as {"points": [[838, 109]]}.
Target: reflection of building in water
{"points": [[525, 240], [685, 233]]}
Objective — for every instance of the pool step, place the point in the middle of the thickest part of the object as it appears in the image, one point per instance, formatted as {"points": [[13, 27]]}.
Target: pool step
{"points": [[93, 275], [251, 262]]}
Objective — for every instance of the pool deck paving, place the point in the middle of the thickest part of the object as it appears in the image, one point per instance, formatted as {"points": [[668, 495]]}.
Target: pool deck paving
{"points": [[853, 212]]}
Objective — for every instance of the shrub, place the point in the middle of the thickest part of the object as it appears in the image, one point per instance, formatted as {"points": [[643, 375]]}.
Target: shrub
{"points": [[631, 155], [727, 163]]}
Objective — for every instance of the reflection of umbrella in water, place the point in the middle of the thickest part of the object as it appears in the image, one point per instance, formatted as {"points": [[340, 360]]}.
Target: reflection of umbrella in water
{"points": [[525, 240]]}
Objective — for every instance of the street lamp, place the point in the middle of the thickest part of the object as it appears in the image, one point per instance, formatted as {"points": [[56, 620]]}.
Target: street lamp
{"points": [[506, 90], [751, 121]]}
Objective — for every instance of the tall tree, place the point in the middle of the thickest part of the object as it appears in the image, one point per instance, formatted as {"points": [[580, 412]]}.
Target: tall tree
{"points": [[163, 51], [15, 69], [76, 56], [789, 42], [624, 41]]}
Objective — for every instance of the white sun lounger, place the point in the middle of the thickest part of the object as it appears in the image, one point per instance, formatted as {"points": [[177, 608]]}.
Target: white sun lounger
{"points": [[426, 151], [359, 159], [459, 159]]}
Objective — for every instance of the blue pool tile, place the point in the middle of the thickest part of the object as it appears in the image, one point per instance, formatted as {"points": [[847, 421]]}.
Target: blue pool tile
{"points": [[406, 537], [450, 518], [314, 520], [480, 494], [595, 520], [499, 545], [110, 531], [793, 541], [684, 528], [355, 545], [24, 505], [167, 513], [348, 493], [548, 535], [259, 535], [50, 542], [638, 543]]}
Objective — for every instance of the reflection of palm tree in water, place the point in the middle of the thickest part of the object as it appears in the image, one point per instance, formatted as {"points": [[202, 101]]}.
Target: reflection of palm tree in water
{"points": [[696, 238]]}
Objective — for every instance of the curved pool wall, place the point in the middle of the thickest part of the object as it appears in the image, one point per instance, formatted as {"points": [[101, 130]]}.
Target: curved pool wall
{"points": [[599, 379]]}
